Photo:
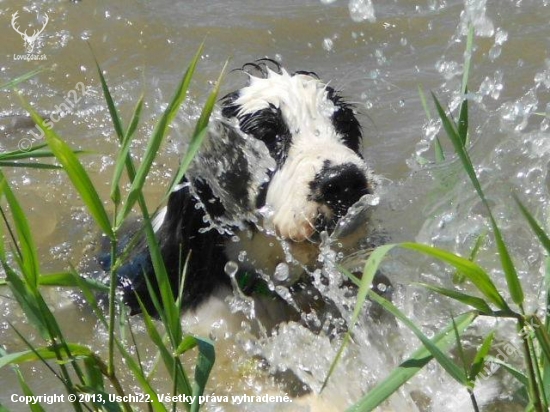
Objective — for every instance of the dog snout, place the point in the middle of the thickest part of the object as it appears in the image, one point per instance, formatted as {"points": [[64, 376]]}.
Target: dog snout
{"points": [[340, 186]]}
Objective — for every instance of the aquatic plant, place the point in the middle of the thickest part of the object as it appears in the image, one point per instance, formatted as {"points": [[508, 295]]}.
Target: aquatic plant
{"points": [[85, 374], [533, 330], [81, 371]]}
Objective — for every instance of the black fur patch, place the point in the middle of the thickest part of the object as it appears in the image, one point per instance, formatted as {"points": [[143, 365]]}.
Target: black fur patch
{"points": [[345, 122], [219, 193]]}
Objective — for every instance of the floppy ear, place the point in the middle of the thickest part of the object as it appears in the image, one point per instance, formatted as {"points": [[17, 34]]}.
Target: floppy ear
{"points": [[228, 173]]}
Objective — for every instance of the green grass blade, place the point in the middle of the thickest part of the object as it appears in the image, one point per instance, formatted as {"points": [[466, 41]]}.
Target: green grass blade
{"points": [[26, 300], [3, 256], [420, 358], [462, 128], [34, 407], [458, 278], [158, 136], [205, 361], [460, 350], [121, 161], [468, 59], [187, 343], [67, 279], [24, 386], [516, 373], [46, 322], [463, 112], [183, 271], [168, 311], [203, 367], [30, 165], [135, 368], [470, 269], [201, 131], [545, 363], [29, 254], [473, 301], [76, 172], [117, 122], [22, 78], [38, 151], [438, 149], [535, 227], [481, 354], [371, 266], [117, 125], [424, 102], [446, 363], [170, 361], [512, 279], [48, 353], [94, 376], [89, 297], [543, 338]]}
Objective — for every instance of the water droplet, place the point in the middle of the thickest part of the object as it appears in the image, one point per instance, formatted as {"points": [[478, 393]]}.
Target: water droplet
{"points": [[361, 10], [544, 124], [242, 256], [231, 268], [495, 52], [282, 272], [85, 35], [328, 44], [501, 36]]}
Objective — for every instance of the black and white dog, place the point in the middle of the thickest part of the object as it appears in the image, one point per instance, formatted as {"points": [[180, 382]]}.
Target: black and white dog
{"points": [[280, 167]]}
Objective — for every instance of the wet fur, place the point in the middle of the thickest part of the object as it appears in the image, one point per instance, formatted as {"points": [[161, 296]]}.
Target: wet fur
{"points": [[223, 207]]}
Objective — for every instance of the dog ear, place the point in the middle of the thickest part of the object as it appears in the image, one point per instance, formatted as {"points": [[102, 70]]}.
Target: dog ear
{"points": [[228, 174]]}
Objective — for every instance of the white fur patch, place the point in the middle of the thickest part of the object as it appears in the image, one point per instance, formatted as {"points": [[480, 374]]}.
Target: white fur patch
{"points": [[307, 111], [291, 213], [301, 98]]}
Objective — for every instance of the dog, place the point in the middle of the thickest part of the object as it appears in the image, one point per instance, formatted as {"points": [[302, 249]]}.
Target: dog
{"points": [[278, 172]]}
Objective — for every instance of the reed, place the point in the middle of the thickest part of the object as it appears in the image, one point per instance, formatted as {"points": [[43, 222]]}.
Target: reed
{"points": [[534, 331], [79, 368], [82, 371]]}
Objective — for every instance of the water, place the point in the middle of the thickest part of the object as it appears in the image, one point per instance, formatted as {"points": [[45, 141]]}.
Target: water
{"points": [[378, 53]]}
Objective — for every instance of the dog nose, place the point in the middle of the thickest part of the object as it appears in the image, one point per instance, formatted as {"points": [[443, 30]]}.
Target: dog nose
{"points": [[339, 187]]}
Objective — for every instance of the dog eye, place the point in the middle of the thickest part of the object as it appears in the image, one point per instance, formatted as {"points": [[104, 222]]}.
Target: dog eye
{"points": [[266, 125]]}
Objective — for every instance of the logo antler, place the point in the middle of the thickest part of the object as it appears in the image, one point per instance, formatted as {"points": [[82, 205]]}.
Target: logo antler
{"points": [[29, 40]]}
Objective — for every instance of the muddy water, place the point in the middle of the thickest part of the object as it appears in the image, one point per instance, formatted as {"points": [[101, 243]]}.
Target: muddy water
{"points": [[378, 57]]}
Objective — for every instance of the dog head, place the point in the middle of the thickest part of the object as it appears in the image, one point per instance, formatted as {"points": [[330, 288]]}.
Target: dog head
{"points": [[285, 153]]}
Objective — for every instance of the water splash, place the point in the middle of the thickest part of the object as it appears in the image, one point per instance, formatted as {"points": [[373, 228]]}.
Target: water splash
{"points": [[361, 10], [475, 13], [328, 44]]}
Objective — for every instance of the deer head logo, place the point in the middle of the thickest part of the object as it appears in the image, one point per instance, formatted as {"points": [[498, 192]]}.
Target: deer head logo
{"points": [[28, 39]]}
